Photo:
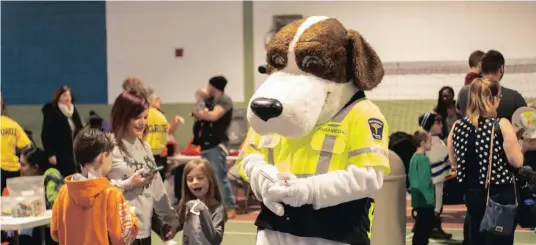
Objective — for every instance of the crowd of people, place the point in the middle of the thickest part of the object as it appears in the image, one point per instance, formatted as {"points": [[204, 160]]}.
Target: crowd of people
{"points": [[91, 170], [473, 140], [120, 169]]}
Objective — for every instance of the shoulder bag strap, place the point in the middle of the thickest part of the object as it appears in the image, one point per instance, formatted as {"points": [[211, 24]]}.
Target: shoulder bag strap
{"points": [[488, 176], [499, 132]]}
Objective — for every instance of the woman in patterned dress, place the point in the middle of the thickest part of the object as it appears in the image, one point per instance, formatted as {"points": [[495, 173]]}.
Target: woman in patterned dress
{"points": [[469, 144]]}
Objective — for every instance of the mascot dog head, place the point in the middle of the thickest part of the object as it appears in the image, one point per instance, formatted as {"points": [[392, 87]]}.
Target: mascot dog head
{"points": [[315, 66]]}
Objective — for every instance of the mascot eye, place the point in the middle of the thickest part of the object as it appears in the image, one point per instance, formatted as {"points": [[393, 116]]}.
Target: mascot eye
{"points": [[311, 62], [277, 60]]}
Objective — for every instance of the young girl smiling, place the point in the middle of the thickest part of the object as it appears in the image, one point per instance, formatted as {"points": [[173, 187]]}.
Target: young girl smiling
{"points": [[201, 214]]}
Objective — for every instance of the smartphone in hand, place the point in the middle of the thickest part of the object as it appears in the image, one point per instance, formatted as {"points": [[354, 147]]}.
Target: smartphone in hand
{"points": [[152, 171]]}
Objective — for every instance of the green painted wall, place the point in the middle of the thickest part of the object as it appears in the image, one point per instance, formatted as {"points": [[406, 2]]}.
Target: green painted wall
{"points": [[401, 115]]}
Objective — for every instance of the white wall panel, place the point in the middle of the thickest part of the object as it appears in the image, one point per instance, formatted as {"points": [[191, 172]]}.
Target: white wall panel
{"points": [[142, 38], [426, 86], [419, 31]]}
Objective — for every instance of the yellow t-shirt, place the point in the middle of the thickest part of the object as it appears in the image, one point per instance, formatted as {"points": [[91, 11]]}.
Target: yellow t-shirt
{"points": [[158, 131], [13, 138]]}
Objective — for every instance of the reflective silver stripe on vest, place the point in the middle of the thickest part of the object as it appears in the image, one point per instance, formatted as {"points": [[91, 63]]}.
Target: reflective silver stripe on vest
{"points": [[367, 150], [325, 154], [271, 156], [267, 140], [329, 140]]}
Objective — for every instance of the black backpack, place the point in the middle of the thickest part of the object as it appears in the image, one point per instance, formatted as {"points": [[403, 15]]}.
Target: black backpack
{"points": [[402, 144]]}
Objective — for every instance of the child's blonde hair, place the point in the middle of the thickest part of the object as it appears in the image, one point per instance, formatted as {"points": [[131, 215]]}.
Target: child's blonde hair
{"points": [[187, 195], [153, 97]]}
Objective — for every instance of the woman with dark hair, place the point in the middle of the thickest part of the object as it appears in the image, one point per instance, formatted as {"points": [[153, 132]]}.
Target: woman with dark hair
{"points": [[446, 108], [61, 123], [34, 162], [133, 167]]}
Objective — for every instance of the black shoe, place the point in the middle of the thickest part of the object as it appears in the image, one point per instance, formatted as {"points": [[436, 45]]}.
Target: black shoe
{"points": [[440, 235]]}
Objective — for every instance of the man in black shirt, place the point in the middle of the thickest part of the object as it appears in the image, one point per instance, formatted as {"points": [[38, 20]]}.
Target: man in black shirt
{"points": [[493, 69], [213, 139]]}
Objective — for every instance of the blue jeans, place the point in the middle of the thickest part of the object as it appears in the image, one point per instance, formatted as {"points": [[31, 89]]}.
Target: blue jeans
{"points": [[218, 158]]}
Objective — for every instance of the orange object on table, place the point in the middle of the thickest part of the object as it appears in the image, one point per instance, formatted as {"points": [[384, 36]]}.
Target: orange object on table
{"points": [[191, 150]]}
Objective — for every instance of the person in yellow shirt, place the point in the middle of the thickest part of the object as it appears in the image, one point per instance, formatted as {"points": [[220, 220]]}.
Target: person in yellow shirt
{"points": [[159, 129], [13, 138]]}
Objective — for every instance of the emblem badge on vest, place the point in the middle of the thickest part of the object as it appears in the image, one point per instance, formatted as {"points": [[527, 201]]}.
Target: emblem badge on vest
{"points": [[376, 128]]}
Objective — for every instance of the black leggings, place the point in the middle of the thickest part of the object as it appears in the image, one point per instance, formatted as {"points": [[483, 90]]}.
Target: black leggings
{"points": [[476, 204]]}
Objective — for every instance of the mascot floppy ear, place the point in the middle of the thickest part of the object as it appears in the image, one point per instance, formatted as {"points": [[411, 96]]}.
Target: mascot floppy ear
{"points": [[364, 66]]}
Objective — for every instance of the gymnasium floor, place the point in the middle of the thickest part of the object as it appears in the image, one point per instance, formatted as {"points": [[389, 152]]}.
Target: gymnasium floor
{"points": [[241, 231]]}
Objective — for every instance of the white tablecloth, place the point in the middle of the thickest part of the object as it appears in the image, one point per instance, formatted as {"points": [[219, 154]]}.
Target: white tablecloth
{"points": [[9, 223]]}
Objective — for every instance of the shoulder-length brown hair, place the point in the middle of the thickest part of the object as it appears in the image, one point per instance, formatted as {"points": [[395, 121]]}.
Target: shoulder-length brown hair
{"points": [[187, 195], [127, 106], [482, 94], [59, 91]]}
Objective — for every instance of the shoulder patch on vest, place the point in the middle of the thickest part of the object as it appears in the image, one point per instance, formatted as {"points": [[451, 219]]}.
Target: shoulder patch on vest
{"points": [[376, 128]]}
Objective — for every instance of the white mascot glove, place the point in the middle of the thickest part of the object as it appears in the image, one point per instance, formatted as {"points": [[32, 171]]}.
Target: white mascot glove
{"points": [[293, 191], [262, 176]]}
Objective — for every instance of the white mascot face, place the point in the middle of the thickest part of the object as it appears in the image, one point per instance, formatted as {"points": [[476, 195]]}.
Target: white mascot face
{"points": [[312, 66], [291, 104]]}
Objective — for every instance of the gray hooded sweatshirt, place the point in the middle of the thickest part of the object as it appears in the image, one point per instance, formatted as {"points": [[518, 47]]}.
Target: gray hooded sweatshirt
{"points": [[144, 199]]}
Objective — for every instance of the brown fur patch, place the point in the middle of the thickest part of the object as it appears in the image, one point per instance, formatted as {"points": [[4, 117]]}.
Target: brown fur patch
{"points": [[329, 51], [277, 50], [321, 50], [367, 66]]}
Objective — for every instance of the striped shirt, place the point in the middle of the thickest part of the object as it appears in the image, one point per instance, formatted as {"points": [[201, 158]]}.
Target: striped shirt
{"points": [[438, 156]]}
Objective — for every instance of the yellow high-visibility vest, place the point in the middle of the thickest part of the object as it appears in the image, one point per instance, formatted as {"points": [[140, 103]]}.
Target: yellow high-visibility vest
{"points": [[357, 135]]}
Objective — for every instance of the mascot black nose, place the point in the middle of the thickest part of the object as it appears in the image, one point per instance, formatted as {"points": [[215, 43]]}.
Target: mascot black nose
{"points": [[266, 108]]}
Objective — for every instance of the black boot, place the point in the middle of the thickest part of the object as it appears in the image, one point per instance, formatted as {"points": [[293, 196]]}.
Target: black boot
{"points": [[438, 232]]}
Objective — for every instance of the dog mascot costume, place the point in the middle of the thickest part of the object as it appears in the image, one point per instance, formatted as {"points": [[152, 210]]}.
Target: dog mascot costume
{"points": [[317, 150]]}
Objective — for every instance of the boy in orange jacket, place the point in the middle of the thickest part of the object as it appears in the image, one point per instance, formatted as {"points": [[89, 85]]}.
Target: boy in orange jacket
{"points": [[88, 209]]}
